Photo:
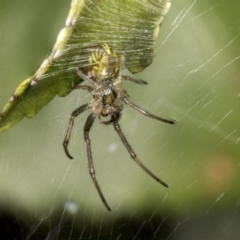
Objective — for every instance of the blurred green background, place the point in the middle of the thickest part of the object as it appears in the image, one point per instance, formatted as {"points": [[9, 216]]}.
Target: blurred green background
{"points": [[193, 79]]}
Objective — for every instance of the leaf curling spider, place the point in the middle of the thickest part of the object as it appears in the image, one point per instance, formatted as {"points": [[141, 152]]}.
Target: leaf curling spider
{"points": [[102, 73]]}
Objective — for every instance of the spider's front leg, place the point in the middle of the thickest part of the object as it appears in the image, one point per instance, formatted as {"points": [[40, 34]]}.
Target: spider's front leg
{"points": [[133, 154], [87, 128], [70, 126]]}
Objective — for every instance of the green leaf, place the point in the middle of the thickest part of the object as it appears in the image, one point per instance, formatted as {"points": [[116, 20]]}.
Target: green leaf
{"points": [[130, 27]]}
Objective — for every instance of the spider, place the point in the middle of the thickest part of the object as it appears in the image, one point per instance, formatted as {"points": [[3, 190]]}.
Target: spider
{"points": [[103, 75]]}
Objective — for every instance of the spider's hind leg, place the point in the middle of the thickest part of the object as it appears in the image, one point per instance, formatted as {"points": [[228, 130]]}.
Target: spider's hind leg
{"points": [[137, 81], [84, 87]]}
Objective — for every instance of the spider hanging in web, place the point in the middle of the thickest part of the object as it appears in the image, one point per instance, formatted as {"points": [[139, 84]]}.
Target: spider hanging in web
{"points": [[103, 75]]}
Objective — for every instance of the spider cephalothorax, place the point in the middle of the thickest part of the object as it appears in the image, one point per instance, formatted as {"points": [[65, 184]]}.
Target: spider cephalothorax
{"points": [[105, 83]]}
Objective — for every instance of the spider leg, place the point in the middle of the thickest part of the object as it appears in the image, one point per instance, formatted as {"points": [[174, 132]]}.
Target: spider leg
{"points": [[85, 77], [144, 112], [87, 128], [70, 126], [140, 82], [84, 87], [133, 154]]}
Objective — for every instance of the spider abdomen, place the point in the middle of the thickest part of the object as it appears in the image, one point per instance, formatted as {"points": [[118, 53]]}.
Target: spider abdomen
{"points": [[104, 64]]}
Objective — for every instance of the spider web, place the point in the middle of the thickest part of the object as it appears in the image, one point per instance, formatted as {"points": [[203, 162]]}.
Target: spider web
{"points": [[193, 79]]}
